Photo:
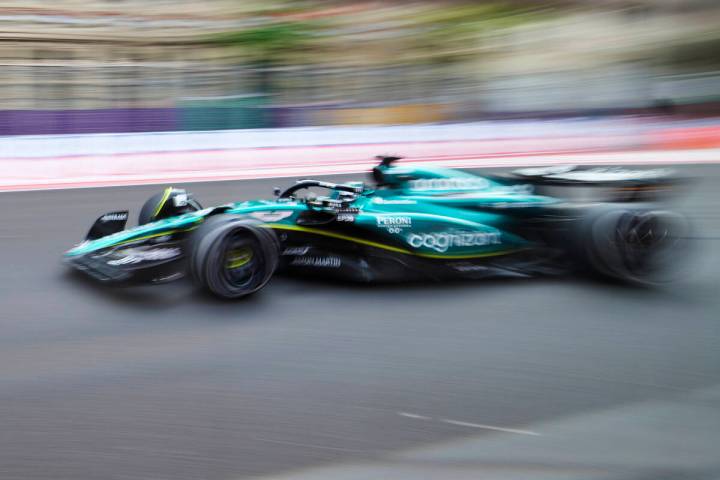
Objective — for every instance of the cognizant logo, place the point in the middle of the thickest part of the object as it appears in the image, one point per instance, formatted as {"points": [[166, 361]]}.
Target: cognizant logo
{"points": [[442, 241]]}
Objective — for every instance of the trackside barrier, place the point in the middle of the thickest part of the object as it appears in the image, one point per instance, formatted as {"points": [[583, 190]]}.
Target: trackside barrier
{"points": [[684, 138], [41, 162]]}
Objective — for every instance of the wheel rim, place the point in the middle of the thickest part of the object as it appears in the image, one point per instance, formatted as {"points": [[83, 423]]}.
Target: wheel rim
{"points": [[644, 242], [240, 266]]}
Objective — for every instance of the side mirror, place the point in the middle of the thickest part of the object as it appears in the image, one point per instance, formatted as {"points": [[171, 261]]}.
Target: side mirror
{"points": [[277, 191]]}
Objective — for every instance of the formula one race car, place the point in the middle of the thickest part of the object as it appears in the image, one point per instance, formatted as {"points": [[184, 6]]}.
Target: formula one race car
{"points": [[412, 223]]}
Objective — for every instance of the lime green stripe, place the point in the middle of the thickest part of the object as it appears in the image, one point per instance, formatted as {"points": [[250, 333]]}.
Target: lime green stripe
{"points": [[166, 194], [166, 232], [240, 258], [237, 263], [279, 226]]}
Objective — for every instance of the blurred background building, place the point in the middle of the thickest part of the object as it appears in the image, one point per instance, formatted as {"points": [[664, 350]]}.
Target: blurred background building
{"points": [[73, 66]]}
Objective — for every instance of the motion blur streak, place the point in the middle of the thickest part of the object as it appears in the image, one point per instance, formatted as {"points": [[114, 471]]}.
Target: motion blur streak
{"points": [[167, 383], [89, 66], [509, 379]]}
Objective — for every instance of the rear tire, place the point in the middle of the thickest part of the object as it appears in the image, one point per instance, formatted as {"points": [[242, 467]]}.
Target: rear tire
{"points": [[233, 257], [636, 245]]}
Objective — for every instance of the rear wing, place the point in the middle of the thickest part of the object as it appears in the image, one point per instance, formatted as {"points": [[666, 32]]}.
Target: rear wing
{"points": [[606, 184]]}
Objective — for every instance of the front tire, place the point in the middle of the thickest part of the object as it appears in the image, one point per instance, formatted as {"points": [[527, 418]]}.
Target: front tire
{"points": [[160, 206], [233, 257]]}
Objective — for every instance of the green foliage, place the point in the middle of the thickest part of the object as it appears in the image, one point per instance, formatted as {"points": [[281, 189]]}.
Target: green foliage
{"points": [[271, 43]]}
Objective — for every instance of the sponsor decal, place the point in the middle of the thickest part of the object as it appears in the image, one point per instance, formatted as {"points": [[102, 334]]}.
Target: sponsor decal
{"points": [[296, 250], [394, 223], [114, 217], [449, 184], [345, 217], [272, 216], [133, 256], [442, 241], [321, 262], [390, 201]]}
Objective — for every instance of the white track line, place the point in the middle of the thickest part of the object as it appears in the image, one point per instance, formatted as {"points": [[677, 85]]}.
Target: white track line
{"points": [[488, 427], [470, 424], [414, 415]]}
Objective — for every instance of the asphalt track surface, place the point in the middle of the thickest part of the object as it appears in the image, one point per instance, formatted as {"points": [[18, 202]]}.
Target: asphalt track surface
{"points": [[166, 383]]}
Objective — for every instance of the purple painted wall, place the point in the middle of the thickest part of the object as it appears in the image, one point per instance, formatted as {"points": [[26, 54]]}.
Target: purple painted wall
{"points": [[121, 120], [116, 120]]}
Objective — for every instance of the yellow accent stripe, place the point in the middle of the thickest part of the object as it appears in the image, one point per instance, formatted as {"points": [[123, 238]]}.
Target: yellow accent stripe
{"points": [[472, 255], [237, 263], [168, 232], [164, 199], [279, 226], [240, 259]]}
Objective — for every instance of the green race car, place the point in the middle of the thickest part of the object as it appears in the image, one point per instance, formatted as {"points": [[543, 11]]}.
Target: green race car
{"points": [[410, 223]]}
